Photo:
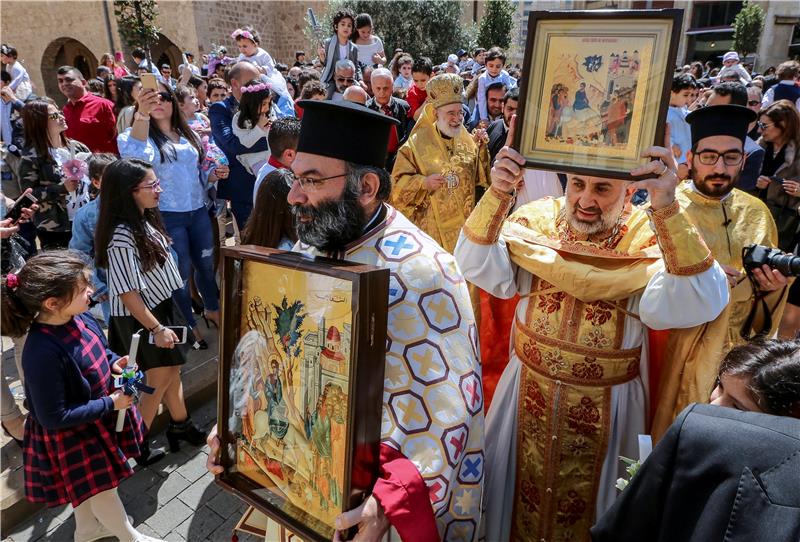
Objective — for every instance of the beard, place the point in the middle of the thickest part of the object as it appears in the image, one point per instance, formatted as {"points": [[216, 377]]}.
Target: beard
{"points": [[604, 222], [705, 187], [333, 224], [447, 130]]}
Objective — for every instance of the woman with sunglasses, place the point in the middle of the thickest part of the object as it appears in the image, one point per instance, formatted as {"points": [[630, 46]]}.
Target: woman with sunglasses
{"points": [[160, 135], [132, 244], [45, 153], [779, 186]]}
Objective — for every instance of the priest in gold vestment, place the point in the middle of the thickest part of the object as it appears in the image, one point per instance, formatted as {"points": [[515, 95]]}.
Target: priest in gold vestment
{"points": [[728, 219], [591, 272], [440, 165]]}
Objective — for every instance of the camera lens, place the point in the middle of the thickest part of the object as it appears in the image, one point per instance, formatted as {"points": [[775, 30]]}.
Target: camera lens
{"points": [[787, 264]]}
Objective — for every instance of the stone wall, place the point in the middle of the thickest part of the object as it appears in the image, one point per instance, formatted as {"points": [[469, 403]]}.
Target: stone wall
{"points": [[50, 33]]}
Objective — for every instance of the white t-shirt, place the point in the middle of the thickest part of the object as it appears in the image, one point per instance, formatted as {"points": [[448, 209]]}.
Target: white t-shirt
{"points": [[343, 51], [365, 52]]}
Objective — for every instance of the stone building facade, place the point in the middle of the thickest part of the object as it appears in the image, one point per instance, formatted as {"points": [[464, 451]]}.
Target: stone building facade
{"points": [[49, 34]]}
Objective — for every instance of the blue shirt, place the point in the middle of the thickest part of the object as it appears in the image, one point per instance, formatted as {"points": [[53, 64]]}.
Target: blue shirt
{"points": [[680, 133], [185, 185], [83, 228]]}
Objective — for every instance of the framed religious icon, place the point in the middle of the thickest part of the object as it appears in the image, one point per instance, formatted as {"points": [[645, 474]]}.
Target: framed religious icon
{"points": [[595, 90], [300, 389]]}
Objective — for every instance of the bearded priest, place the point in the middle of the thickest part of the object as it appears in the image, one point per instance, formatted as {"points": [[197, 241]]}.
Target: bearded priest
{"points": [[592, 272]]}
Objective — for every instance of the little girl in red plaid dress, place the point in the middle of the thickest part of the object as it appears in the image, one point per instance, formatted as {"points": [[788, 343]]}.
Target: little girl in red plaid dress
{"points": [[72, 452]]}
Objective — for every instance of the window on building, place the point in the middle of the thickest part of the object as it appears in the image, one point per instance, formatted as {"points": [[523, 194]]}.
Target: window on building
{"points": [[707, 14], [794, 44]]}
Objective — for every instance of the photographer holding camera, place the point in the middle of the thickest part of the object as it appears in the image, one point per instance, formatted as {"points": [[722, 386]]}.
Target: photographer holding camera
{"points": [[780, 189], [730, 220]]}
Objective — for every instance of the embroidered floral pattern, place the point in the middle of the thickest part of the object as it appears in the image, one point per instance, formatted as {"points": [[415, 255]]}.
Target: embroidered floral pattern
{"points": [[534, 400], [579, 446], [532, 354], [554, 362], [541, 325], [521, 220], [589, 369], [584, 418], [551, 303], [570, 509], [598, 313], [529, 494], [596, 339]]}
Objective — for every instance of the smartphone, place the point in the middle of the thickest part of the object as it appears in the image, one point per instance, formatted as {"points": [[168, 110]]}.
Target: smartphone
{"points": [[149, 81], [180, 331], [25, 201]]}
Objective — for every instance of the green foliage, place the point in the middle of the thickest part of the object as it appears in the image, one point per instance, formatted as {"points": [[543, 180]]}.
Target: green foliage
{"points": [[497, 24], [421, 27], [288, 319], [747, 27], [136, 21]]}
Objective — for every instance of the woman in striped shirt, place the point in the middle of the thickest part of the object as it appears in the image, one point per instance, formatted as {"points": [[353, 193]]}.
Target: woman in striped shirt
{"points": [[131, 242]]}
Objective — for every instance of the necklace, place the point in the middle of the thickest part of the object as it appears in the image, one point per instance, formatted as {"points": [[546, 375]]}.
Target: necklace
{"points": [[451, 167]]}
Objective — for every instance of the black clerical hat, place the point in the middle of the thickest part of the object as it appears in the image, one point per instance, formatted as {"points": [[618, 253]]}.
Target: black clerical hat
{"points": [[345, 130], [730, 120]]}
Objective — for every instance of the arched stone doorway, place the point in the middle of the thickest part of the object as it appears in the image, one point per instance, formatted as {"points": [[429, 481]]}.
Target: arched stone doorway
{"points": [[64, 51], [164, 51]]}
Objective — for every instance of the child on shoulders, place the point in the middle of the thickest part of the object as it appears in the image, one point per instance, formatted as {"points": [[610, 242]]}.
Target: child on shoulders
{"points": [[495, 60]]}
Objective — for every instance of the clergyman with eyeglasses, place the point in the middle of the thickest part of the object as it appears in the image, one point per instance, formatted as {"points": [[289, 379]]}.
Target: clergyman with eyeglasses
{"points": [[728, 219]]}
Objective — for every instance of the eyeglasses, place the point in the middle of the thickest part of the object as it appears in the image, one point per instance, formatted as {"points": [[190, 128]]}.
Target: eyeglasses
{"points": [[752, 103], [710, 158], [345, 80], [155, 186], [763, 125], [164, 97], [55, 116], [309, 184]]}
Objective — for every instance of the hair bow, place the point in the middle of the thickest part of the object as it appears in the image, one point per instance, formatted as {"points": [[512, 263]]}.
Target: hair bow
{"points": [[12, 281], [239, 33]]}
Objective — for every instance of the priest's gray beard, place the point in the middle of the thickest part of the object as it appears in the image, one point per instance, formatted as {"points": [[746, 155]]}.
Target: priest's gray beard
{"points": [[446, 129], [604, 223]]}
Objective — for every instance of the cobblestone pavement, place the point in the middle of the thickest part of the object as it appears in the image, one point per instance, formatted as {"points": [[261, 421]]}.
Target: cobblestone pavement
{"points": [[176, 500]]}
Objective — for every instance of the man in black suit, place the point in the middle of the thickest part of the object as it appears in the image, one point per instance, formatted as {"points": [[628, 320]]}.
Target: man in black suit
{"points": [[238, 188], [717, 474], [499, 128], [387, 104]]}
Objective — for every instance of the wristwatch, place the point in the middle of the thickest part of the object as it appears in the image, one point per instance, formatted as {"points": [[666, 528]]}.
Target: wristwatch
{"points": [[140, 116]]}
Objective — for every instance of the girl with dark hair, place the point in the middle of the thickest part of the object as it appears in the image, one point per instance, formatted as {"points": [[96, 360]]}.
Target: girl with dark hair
{"points": [[761, 377], [251, 123], [128, 88], [160, 136], [131, 243], [110, 89], [72, 452], [271, 223], [54, 167], [370, 46]]}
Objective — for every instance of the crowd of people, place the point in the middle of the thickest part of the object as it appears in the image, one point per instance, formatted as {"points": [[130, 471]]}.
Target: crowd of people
{"points": [[582, 319]]}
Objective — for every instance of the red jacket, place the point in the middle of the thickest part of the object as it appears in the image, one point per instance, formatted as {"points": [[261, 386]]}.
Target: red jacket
{"points": [[91, 121]]}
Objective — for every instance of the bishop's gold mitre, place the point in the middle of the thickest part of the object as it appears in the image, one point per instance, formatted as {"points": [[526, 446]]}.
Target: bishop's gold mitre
{"points": [[445, 89]]}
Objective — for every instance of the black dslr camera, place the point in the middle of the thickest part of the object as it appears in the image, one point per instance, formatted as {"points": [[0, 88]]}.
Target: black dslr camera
{"points": [[754, 256]]}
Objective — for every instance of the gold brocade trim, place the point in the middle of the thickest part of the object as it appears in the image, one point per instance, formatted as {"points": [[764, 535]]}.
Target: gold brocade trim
{"points": [[575, 364], [686, 262], [563, 423], [483, 225]]}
